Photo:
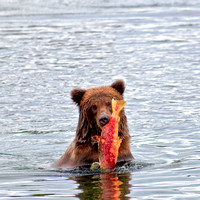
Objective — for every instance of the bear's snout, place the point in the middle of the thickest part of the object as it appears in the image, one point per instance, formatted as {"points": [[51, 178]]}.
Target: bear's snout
{"points": [[104, 119]]}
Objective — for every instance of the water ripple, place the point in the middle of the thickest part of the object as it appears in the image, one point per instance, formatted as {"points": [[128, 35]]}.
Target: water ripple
{"points": [[47, 49]]}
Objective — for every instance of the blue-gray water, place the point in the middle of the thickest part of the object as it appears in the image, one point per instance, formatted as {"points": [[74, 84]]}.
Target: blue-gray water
{"points": [[48, 48]]}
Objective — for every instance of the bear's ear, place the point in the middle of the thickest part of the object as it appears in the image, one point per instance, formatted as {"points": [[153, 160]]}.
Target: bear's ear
{"points": [[119, 86], [76, 95]]}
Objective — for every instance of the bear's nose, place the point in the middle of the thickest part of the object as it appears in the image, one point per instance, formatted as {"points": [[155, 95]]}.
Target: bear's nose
{"points": [[104, 119]]}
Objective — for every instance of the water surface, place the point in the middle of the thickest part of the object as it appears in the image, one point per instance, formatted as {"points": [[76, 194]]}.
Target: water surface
{"points": [[47, 49]]}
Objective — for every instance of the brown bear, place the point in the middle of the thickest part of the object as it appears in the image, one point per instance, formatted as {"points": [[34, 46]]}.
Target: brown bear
{"points": [[94, 112]]}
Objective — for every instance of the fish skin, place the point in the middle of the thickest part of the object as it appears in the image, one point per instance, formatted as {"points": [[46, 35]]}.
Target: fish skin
{"points": [[109, 141]]}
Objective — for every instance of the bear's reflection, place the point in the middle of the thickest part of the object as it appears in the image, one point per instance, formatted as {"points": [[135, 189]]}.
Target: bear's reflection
{"points": [[104, 186]]}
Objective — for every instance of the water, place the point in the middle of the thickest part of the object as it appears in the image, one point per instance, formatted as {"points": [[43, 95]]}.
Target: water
{"points": [[47, 49]]}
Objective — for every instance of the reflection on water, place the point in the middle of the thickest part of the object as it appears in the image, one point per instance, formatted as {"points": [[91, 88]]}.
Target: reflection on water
{"points": [[111, 186]]}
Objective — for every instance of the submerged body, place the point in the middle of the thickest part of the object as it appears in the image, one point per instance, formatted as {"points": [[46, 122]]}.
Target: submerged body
{"points": [[109, 141]]}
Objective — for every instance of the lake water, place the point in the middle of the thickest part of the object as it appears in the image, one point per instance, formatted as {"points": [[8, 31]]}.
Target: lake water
{"points": [[49, 47]]}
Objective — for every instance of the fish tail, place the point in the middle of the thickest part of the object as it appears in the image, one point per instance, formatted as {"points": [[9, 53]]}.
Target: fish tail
{"points": [[117, 105]]}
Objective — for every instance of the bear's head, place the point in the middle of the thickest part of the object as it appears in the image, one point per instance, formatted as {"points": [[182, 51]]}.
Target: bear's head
{"points": [[95, 110]]}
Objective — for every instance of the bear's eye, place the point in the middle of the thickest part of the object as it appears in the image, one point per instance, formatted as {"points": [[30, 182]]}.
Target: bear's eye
{"points": [[108, 104], [94, 108]]}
